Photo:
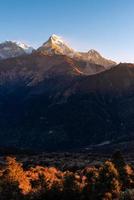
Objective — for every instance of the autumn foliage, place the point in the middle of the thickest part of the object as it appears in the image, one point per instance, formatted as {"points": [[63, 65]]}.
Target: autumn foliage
{"points": [[112, 180]]}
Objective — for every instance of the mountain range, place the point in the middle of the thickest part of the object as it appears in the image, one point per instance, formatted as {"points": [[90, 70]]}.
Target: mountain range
{"points": [[55, 98], [56, 46]]}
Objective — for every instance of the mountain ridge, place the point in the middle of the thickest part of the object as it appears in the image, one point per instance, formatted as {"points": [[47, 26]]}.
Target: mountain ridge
{"points": [[49, 105], [54, 102], [54, 45]]}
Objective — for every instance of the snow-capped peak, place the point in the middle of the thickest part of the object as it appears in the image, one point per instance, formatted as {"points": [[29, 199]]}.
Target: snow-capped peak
{"points": [[56, 38], [11, 49], [55, 45], [28, 49]]}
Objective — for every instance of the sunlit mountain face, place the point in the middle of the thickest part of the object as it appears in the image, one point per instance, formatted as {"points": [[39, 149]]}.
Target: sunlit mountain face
{"points": [[55, 45], [55, 98]]}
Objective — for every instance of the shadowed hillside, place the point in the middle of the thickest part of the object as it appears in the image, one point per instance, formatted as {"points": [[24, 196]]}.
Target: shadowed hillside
{"points": [[48, 103]]}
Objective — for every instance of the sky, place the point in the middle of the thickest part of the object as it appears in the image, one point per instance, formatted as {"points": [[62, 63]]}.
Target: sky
{"points": [[104, 25]]}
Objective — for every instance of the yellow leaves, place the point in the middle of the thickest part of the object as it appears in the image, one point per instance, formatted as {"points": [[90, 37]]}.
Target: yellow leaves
{"points": [[104, 180], [15, 173]]}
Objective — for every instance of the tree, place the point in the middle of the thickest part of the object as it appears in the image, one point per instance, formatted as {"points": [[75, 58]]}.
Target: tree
{"points": [[14, 173], [9, 190], [89, 189], [108, 181], [70, 187], [122, 168]]}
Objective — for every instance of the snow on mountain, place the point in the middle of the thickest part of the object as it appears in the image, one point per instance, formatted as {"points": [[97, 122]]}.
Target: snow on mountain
{"points": [[28, 49], [55, 45], [11, 49]]}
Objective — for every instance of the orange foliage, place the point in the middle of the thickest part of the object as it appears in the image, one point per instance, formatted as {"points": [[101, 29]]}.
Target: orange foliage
{"points": [[102, 182], [15, 173]]}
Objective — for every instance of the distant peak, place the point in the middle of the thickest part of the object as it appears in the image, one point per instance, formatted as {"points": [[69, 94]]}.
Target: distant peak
{"points": [[55, 45], [54, 36], [21, 44], [93, 51], [11, 49], [27, 48], [7, 42], [56, 39]]}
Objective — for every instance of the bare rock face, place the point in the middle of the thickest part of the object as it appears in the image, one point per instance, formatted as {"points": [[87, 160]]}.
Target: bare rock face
{"points": [[92, 56]]}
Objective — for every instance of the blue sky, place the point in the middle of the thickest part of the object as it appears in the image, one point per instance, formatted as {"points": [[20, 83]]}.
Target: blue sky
{"points": [[104, 25]]}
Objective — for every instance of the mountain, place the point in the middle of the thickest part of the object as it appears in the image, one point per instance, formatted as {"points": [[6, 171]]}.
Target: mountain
{"points": [[55, 45], [91, 61], [11, 49], [94, 57], [48, 103], [58, 99], [28, 49]]}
